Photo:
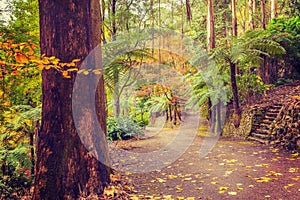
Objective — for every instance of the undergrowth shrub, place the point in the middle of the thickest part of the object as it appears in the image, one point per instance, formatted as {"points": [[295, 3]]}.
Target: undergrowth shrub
{"points": [[122, 128]]}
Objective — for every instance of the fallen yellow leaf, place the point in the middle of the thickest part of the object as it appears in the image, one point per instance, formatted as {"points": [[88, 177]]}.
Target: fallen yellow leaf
{"points": [[172, 176], [222, 188], [190, 198], [232, 193], [160, 180], [292, 170]]}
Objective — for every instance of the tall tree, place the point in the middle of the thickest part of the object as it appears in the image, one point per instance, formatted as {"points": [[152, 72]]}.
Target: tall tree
{"points": [[274, 6], [251, 5], [234, 18], [65, 169], [210, 25], [188, 10], [263, 14]]}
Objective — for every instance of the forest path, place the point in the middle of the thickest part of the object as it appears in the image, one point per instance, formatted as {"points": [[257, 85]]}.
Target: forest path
{"points": [[234, 169]]}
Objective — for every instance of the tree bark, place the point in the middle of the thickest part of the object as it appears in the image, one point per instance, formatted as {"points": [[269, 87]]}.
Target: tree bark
{"points": [[211, 44], [65, 169], [263, 14], [32, 156], [236, 106], [234, 18], [274, 6], [251, 14], [114, 25], [188, 10]]}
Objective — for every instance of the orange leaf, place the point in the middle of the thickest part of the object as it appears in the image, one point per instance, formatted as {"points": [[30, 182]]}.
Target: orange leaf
{"points": [[20, 58]]}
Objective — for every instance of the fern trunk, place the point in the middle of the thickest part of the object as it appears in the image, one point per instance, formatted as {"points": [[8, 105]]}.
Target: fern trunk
{"points": [[236, 106]]}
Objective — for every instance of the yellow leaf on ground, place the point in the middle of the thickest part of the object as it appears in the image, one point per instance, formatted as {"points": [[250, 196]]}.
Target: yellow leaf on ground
{"points": [[160, 180], [213, 183], [110, 191], [190, 198], [222, 188], [232, 193], [172, 176], [293, 170]]}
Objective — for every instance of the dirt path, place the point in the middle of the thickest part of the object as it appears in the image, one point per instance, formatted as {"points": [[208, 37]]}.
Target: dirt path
{"points": [[234, 169]]}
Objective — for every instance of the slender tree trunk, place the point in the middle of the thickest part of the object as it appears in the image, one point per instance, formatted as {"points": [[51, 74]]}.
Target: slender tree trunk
{"points": [[188, 10], [102, 17], [159, 26], [225, 21], [117, 105], [234, 88], [65, 169], [170, 112], [210, 25], [152, 24], [274, 6], [218, 117], [234, 18], [114, 25], [251, 14], [167, 113], [32, 156], [263, 14], [211, 44]]}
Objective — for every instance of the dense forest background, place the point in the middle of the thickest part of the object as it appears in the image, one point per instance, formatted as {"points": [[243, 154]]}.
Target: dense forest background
{"points": [[255, 45]]}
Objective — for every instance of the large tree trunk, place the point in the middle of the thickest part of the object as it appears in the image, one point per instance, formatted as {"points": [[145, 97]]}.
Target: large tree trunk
{"points": [[65, 169], [263, 14], [234, 18]]}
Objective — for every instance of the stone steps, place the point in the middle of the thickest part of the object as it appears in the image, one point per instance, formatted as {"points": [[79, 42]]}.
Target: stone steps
{"points": [[260, 131]]}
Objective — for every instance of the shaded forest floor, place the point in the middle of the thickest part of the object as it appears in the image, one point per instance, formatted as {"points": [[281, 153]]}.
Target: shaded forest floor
{"points": [[234, 169]]}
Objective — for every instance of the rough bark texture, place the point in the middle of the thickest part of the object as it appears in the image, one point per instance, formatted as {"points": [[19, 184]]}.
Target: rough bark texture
{"points": [[65, 170]]}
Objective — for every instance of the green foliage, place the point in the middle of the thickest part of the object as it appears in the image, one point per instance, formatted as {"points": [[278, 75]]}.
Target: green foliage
{"points": [[24, 23], [287, 33], [251, 84], [122, 128], [15, 186], [17, 123], [283, 81]]}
